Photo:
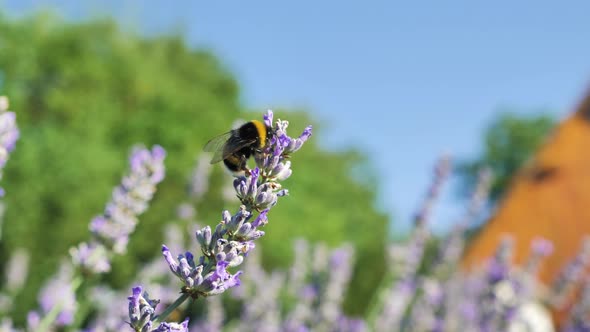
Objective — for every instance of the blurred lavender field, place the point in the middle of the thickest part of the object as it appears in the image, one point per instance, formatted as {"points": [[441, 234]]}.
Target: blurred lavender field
{"points": [[424, 288]]}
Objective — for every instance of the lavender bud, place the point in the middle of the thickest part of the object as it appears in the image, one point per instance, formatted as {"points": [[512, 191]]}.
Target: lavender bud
{"points": [[190, 258], [173, 327], [204, 237], [226, 217], [266, 199], [499, 265], [256, 235], [141, 309], [241, 187], [273, 163], [4, 104], [262, 219], [17, 270], [244, 230], [33, 320], [253, 180], [282, 171], [238, 219], [262, 198], [220, 232], [169, 259], [184, 269], [233, 258], [92, 257], [540, 248], [296, 143], [268, 118], [220, 256]]}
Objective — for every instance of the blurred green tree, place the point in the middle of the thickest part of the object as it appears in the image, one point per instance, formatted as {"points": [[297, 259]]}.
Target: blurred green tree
{"points": [[508, 142], [84, 93]]}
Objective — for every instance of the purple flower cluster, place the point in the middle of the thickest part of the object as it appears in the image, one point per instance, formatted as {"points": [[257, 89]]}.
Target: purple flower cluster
{"points": [[273, 163], [232, 239], [199, 281], [307, 297], [423, 295], [141, 311], [9, 134], [499, 296], [110, 305], [111, 230]]}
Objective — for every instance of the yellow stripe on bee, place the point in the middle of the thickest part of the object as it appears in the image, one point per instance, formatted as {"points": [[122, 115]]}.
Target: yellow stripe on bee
{"points": [[261, 128]]}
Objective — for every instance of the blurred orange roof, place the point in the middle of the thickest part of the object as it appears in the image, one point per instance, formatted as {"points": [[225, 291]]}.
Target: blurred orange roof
{"points": [[549, 197]]}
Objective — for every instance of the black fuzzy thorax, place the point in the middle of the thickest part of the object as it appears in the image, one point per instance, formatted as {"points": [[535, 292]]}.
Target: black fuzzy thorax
{"points": [[236, 161]]}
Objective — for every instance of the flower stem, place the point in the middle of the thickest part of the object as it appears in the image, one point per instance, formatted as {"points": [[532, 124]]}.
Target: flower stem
{"points": [[161, 317]]}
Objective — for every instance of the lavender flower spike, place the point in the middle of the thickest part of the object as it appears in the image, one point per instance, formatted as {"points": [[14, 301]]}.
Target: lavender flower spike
{"points": [[111, 230], [233, 238], [9, 134], [130, 199], [268, 118]]}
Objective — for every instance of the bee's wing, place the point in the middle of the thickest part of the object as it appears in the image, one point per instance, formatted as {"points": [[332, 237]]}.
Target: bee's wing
{"points": [[224, 145], [216, 145]]}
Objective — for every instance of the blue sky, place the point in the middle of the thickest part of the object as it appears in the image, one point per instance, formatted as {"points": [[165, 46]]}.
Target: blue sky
{"points": [[404, 81]]}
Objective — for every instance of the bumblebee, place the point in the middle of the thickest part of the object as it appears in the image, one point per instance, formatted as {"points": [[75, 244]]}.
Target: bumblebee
{"points": [[237, 145]]}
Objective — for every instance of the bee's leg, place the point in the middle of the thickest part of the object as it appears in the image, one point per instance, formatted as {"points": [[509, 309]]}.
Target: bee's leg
{"points": [[243, 166]]}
